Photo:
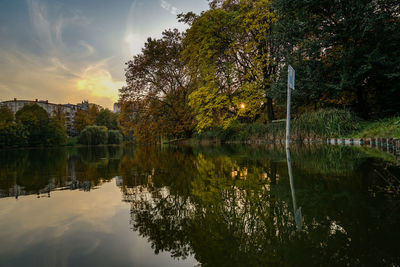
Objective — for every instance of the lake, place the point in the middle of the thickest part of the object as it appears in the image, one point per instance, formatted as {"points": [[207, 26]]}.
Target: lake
{"points": [[231, 205]]}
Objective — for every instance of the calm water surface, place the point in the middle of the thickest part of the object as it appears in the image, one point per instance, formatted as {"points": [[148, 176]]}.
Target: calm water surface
{"points": [[198, 206]]}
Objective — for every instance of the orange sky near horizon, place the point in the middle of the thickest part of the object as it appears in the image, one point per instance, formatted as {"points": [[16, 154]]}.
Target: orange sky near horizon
{"points": [[70, 51]]}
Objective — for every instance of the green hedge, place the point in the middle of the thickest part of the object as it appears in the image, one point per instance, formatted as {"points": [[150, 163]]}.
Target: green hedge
{"points": [[94, 135]]}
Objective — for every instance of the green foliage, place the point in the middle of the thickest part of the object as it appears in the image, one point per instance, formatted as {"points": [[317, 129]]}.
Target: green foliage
{"points": [[345, 54], [35, 119], [80, 120], [55, 133], [6, 115], [114, 137], [155, 101], [325, 123], [316, 124], [227, 54], [95, 116], [107, 118], [386, 128], [230, 68], [94, 135], [72, 141], [40, 128], [13, 135]]}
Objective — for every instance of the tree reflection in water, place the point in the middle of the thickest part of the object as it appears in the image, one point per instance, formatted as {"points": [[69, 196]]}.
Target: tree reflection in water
{"points": [[233, 205], [230, 209]]}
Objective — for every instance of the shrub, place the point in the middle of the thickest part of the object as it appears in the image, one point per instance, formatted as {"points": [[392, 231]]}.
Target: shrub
{"points": [[72, 141], [114, 137], [93, 136], [13, 134]]}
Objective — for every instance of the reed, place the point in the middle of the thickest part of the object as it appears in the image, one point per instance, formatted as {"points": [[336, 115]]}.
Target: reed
{"points": [[319, 124]]}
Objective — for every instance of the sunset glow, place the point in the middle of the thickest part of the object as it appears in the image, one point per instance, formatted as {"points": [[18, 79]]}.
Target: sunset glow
{"points": [[69, 51]]}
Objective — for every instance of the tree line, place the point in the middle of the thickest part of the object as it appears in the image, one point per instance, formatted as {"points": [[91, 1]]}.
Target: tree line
{"points": [[230, 66], [33, 126]]}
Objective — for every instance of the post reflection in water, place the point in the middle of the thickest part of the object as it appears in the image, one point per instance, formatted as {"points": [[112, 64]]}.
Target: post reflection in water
{"points": [[296, 212], [213, 206]]}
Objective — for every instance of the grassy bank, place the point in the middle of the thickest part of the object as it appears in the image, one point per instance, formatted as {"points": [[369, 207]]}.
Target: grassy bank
{"points": [[325, 123], [386, 128]]}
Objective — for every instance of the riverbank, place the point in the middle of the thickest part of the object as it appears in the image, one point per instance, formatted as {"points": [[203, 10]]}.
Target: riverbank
{"points": [[316, 125], [329, 126]]}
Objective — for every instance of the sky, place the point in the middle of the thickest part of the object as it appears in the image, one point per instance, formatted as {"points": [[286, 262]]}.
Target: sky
{"points": [[74, 50]]}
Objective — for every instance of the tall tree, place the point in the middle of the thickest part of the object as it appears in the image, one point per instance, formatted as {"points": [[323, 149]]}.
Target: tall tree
{"points": [[41, 129], [107, 118], [158, 89], [81, 120], [345, 53], [59, 115], [229, 52]]}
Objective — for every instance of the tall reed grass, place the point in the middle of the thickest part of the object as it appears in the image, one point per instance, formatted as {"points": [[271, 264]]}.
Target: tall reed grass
{"points": [[324, 123]]}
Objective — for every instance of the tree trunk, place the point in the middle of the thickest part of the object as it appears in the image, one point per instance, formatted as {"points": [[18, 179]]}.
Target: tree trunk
{"points": [[361, 105], [270, 110]]}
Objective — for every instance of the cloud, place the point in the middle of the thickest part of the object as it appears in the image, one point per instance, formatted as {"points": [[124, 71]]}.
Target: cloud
{"points": [[97, 80], [170, 8], [40, 24], [60, 72], [90, 49], [29, 76]]}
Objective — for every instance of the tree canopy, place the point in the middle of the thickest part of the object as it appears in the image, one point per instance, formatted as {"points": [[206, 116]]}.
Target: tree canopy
{"points": [[230, 66], [158, 90]]}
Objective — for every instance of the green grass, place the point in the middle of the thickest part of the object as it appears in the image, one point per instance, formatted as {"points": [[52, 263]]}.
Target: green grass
{"points": [[386, 128]]}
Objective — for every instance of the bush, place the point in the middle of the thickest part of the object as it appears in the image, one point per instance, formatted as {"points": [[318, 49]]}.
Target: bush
{"points": [[114, 137], [72, 141], [93, 136], [13, 134]]}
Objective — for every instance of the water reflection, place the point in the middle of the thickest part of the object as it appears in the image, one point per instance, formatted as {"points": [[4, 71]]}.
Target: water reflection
{"points": [[231, 205], [297, 212]]}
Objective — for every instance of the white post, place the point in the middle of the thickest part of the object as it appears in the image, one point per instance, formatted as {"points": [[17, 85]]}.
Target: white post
{"points": [[290, 85], [288, 117]]}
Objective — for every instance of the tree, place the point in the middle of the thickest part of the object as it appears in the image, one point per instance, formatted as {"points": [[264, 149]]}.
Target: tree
{"points": [[107, 118], [345, 53], [229, 52], [59, 115], [6, 115], [114, 137], [94, 135], [11, 133], [56, 133], [92, 114], [41, 129], [35, 120], [80, 120], [158, 89]]}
